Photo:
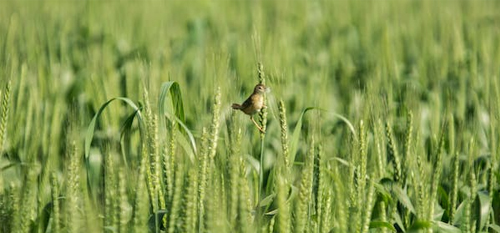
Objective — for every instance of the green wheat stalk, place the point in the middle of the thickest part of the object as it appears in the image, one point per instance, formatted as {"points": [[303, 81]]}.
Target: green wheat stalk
{"points": [[141, 207], [284, 135], [355, 197], [436, 178], [72, 193], [4, 115], [361, 181], [14, 214], [56, 209], [263, 112], [263, 123], [408, 144], [454, 188], [271, 224], [191, 202], [167, 171], [357, 201], [341, 214], [110, 219], [214, 127], [326, 212], [368, 207], [321, 183], [393, 152], [208, 152], [305, 190], [177, 199], [361, 178], [378, 137], [234, 173], [363, 153], [421, 187], [28, 200], [283, 171], [149, 171], [169, 160], [473, 187], [121, 202], [203, 176], [155, 192], [216, 216], [245, 219], [493, 166], [383, 214], [283, 206], [223, 204]]}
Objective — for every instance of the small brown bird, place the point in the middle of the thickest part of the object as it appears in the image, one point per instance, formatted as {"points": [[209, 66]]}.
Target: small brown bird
{"points": [[254, 103]]}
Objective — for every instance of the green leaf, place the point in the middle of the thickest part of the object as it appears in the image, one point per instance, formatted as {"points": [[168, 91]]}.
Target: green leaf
{"points": [[272, 212], [124, 133], [494, 227], [254, 163], [177, 103], [89, 135], [443, 196], [8, 166], [267, 200], [296, 134], [342, 161], [385, 195], [459, 214], [293, 193], [270, 182], [445, 227], [110, 229], [42, 222], [381, 224], [155, 220], [176, 114], [419, 225], [187, 145], [403, 198], [484, 208], [186, 131], [398, 220], [348, 123], [438, 211]]}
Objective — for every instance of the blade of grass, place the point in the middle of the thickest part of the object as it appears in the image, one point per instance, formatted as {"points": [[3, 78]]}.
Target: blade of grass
{"points": [[381, 224], [125, 134], [89, 135], [174, 89], [192, 142], [296, 132]]}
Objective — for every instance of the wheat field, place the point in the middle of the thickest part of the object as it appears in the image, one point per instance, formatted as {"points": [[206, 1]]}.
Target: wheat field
{"points": [[382, 117]]}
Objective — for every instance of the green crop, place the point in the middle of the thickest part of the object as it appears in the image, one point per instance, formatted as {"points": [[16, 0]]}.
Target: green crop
{"points": [[382, 117]]}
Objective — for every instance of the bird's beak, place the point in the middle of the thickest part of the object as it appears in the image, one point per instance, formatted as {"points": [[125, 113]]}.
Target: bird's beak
{"points": [[268, 89]]}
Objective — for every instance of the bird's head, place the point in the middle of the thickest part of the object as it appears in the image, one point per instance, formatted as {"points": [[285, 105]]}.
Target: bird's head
{"points": [[260, 89]]}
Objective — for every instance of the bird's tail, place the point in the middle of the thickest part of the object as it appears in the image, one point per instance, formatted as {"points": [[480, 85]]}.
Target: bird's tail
{"points": [[236, 106]]}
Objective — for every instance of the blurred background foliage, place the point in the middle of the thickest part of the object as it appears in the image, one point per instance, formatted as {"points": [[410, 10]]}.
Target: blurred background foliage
{"points": [[367, 61]]}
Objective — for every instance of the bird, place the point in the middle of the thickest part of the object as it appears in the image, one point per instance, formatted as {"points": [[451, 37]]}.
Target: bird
{"points": [[254, 103]]}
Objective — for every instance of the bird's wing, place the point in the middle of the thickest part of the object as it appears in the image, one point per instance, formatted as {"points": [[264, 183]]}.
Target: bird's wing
{"points": [[247, 103]]}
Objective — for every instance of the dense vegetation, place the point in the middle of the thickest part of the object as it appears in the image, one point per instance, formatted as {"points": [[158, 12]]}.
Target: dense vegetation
{"points": [[382, 117]]}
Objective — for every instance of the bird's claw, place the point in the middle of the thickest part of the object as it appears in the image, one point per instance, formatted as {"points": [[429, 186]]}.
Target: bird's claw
{"points": [[257, 125]]}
